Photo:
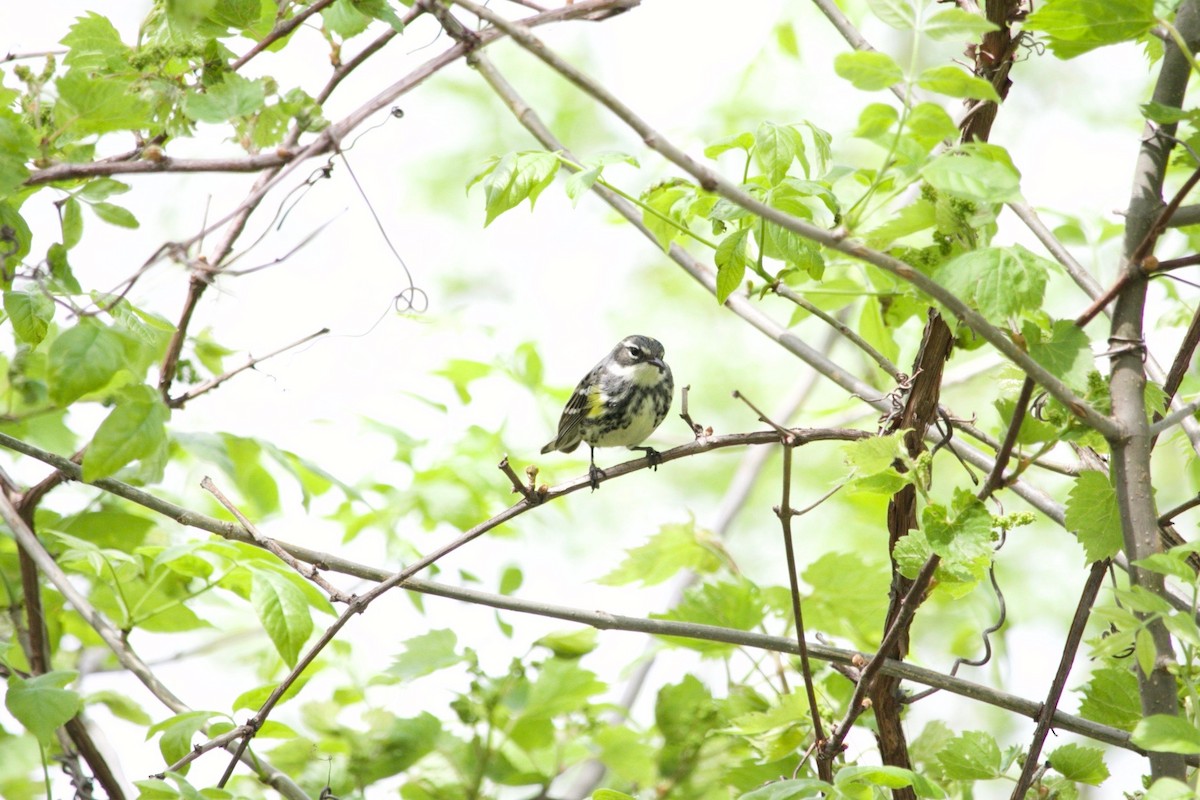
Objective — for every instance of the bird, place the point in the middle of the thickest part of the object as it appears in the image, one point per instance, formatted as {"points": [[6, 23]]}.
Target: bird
{"points": [[619, 403]]}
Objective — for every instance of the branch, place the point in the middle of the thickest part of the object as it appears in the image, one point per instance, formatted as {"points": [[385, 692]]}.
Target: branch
{"points": [[835, 240], [1130, 464], [181, 400], [1083, 279], [281, 29], [1070, 647]]}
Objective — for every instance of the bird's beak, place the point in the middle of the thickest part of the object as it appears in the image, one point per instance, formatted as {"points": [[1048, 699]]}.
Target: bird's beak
{"points": [[658, 362]]}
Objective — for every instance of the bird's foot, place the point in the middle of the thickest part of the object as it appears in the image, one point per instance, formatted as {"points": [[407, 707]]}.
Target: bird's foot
{"points": [[594, 475], [652, 455]]}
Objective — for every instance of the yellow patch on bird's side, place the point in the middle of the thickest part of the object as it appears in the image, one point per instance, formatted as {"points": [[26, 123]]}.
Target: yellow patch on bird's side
{"points": [[595, 402]]}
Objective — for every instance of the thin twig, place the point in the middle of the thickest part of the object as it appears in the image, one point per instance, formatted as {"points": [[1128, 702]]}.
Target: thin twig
{"points": [[281, 29], [267, 543], [213, 383], [528, 492], [1046, 715], [786, 292]]}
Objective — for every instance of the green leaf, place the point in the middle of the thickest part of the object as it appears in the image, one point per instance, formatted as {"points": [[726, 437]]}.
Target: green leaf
{"points": [[731, 259], [628, 756], [872, 463], [93, 44], [1092, 515], [343, 19], [462, 373], [1111, 697], [72, 222], [676, 547], [569, 644], [848, 597], [1165, 733], [177, 733], [283, 612], [1067, 353], [236, 14], [736, 604], [930, 125], [1080, 764], [775, 148], [134, 429], [31, 313], [973, 755], [952, 81], [562, 686], [515, 177], [1169, 789], [425, 654], [235, 96], [115, 215], [381, 10], [15, 237], [120, 706], [101, 189], [785, 39], [17, 145], [1000, 282], [41, 703], [868, 70], [900, 14], [957, 23], [982, 173], [60, 269], [98, 105], [790, 788], [740, 141], [1074, 27], [83, 359]]}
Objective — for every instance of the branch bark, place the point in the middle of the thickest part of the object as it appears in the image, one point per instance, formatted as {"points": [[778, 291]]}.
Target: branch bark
{"points": [[1132, 445]]}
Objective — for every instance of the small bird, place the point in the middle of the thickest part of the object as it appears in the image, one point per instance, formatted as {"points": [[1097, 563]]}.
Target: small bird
{"points": [[619, 403]]}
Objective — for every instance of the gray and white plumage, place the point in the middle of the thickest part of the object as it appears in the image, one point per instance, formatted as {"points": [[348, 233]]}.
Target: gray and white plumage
{"points": [[620, 402]]}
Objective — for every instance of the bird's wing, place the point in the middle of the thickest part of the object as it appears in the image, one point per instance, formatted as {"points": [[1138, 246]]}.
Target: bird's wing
{"points": [[577, 409]]}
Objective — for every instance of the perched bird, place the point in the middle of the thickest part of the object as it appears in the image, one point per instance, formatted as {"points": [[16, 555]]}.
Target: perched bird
{"points": [[619, 403]]}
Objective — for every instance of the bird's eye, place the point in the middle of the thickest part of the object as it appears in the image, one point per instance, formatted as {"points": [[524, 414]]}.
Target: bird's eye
{"points": [[635, 351]]}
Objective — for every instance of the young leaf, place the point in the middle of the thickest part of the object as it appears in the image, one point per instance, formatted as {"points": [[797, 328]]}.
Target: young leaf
{"points": [[177, 733], [999, 281], [283, 612], [1074, 27], [41, 704], [31, 313], [1092, 515], [775, 148], [235, 96], [900, 14], [72, 222], [98, 105], [83, 359], [973, 755], [1066, 352], [94, 44], [426, 653], [1080, 764], [953, 82], [1166, 733], [868, 70], [515, 177], [731, 259], [134, 429], [569, 644], [980, 173], [728, 604], [115, 215], [1111, 697], [676, 546], [957, 23]]}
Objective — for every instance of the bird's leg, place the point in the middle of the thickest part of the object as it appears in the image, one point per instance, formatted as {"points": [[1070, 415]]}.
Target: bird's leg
{"points": [[652, 454], [594, 472]]}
